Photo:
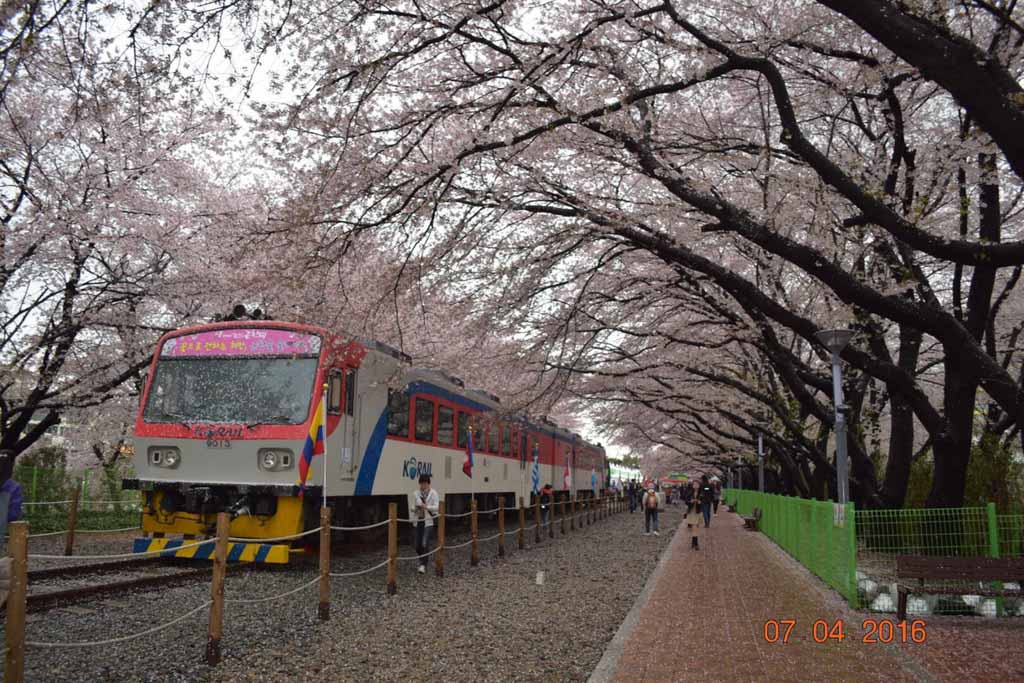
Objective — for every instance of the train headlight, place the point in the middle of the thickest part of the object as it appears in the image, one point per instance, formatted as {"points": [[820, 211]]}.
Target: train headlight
{"points": [[269, 459], [164, 456], [274, 459]]}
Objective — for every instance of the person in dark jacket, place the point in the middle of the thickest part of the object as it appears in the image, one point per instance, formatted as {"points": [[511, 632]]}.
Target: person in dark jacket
{"points": [[547, 497], [706, 497]]}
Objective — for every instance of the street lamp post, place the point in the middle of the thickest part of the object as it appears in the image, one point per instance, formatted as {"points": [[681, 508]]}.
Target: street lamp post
{"points": [[835, 341], [760, 463]]}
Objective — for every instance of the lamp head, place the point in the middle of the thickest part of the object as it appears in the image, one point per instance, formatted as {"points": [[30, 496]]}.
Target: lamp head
{"points": [[834, 340]]}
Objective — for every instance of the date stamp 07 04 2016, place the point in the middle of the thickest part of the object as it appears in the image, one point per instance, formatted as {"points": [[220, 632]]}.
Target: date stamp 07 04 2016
{"points": [[872, 631]]}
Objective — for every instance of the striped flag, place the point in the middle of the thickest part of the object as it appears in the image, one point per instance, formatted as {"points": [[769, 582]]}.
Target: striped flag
{"points": [[314, 445], [536, 469], [467, 464], [566, 475]]}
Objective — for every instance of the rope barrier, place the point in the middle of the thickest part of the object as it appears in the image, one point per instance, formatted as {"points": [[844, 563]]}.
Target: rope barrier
{"points": [[48, 502], [360, 528], [362, 571], [95, 643], [124, 556], [272, 540], [419, 557], [105, 531], [490, 538], [461, 545], [464, 514], [49, 533], [272, 597]]}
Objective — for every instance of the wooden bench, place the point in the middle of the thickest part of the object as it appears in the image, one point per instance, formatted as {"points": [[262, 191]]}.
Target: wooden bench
{"points": [[958, 569], [752, 521]]}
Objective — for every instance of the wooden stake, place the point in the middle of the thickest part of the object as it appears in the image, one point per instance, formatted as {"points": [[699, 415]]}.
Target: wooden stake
{"points": [[474, 557], [324, 610], [69, 538], [220, 558], [572, 513], [522, 521], [561, 518], [501, 526], [14, 664], [392, 548], [551, 518], [440, 539], [536, 518]]}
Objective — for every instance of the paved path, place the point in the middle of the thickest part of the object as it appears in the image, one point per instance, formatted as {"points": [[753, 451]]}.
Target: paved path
{"points": [[705, 613]]}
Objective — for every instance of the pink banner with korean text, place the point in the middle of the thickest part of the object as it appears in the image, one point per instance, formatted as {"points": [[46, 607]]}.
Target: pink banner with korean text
{"points": [[250, 341]]}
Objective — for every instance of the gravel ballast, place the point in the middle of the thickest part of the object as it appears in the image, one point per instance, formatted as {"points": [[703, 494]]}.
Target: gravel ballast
{"points": [[488, 623]]}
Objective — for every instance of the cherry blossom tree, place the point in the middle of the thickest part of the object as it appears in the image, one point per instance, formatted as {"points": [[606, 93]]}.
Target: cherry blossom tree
{"points": [[519, 149]]}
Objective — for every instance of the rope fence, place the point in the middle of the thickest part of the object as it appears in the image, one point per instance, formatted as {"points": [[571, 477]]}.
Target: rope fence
{"points": [[361, 571], [251, 601], [592, 509], [123, 556], [361, 528], [111, 641]]}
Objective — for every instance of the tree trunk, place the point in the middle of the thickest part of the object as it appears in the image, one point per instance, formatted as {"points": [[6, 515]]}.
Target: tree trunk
{"points": [[901, 435]]}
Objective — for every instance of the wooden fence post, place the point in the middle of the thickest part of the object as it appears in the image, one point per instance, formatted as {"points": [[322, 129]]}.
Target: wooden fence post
{"points": [[474, 557], [522, 521], [324, 610], [440, 539], [551, 517], [501, 526], [392, 548], [572, 513], [536, 518], [561, 519], [14, 663], [69, 537], [220, 558]]}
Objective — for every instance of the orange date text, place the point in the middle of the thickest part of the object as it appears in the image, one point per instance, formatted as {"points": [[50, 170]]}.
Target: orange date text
{"points": [[822, 631]]}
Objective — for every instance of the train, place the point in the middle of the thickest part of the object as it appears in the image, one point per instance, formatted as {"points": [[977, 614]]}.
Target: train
{"points": [[229, 407]]}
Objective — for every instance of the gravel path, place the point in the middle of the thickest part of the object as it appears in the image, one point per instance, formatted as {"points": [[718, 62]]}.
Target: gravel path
{"points": [[489, 623]]}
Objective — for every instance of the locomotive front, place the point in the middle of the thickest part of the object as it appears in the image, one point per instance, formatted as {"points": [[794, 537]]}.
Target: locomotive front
{"points": [[221, 428]]}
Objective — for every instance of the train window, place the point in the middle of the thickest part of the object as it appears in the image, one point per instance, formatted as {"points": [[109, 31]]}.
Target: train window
{"points": [[506, 441], [424, 420], [350, 391], [492, 439], [445, 426], [463, 426], [398, 413], [334, 392]]}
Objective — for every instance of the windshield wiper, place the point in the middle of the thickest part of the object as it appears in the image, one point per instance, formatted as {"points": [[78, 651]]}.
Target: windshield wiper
{"points": [[269, 420], [180, 419]]}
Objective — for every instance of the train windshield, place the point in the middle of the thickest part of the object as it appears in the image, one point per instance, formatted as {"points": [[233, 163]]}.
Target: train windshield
{"points": [[235, 390]]}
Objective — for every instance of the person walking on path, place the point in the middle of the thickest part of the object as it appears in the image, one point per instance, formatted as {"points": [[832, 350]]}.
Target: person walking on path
{"points": [[547, 495], [426, 505], [631, 494], [706, 497], [718, 496], [650, 505]]}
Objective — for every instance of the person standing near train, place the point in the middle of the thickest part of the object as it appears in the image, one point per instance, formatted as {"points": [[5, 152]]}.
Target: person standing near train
{"points": [[426, 503]]}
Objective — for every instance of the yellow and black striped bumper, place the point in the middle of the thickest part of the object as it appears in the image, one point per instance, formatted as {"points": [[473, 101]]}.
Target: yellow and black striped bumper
{"points": [[237, 552]]}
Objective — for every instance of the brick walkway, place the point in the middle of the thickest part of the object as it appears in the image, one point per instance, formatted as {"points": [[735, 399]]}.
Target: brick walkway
{"points": [[706, 613]]}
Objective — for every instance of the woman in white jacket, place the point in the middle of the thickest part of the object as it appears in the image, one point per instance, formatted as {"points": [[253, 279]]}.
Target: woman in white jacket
{"points": [[424, 507]]}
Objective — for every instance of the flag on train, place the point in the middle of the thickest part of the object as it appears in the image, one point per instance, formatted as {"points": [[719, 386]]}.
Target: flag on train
{"points": [[566, 476], [535, 477], [314, 445], [467, 465]]}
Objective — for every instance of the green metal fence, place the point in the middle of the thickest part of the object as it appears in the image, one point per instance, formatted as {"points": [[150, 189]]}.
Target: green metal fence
{"points": [[865, 545], [820, 535]]}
